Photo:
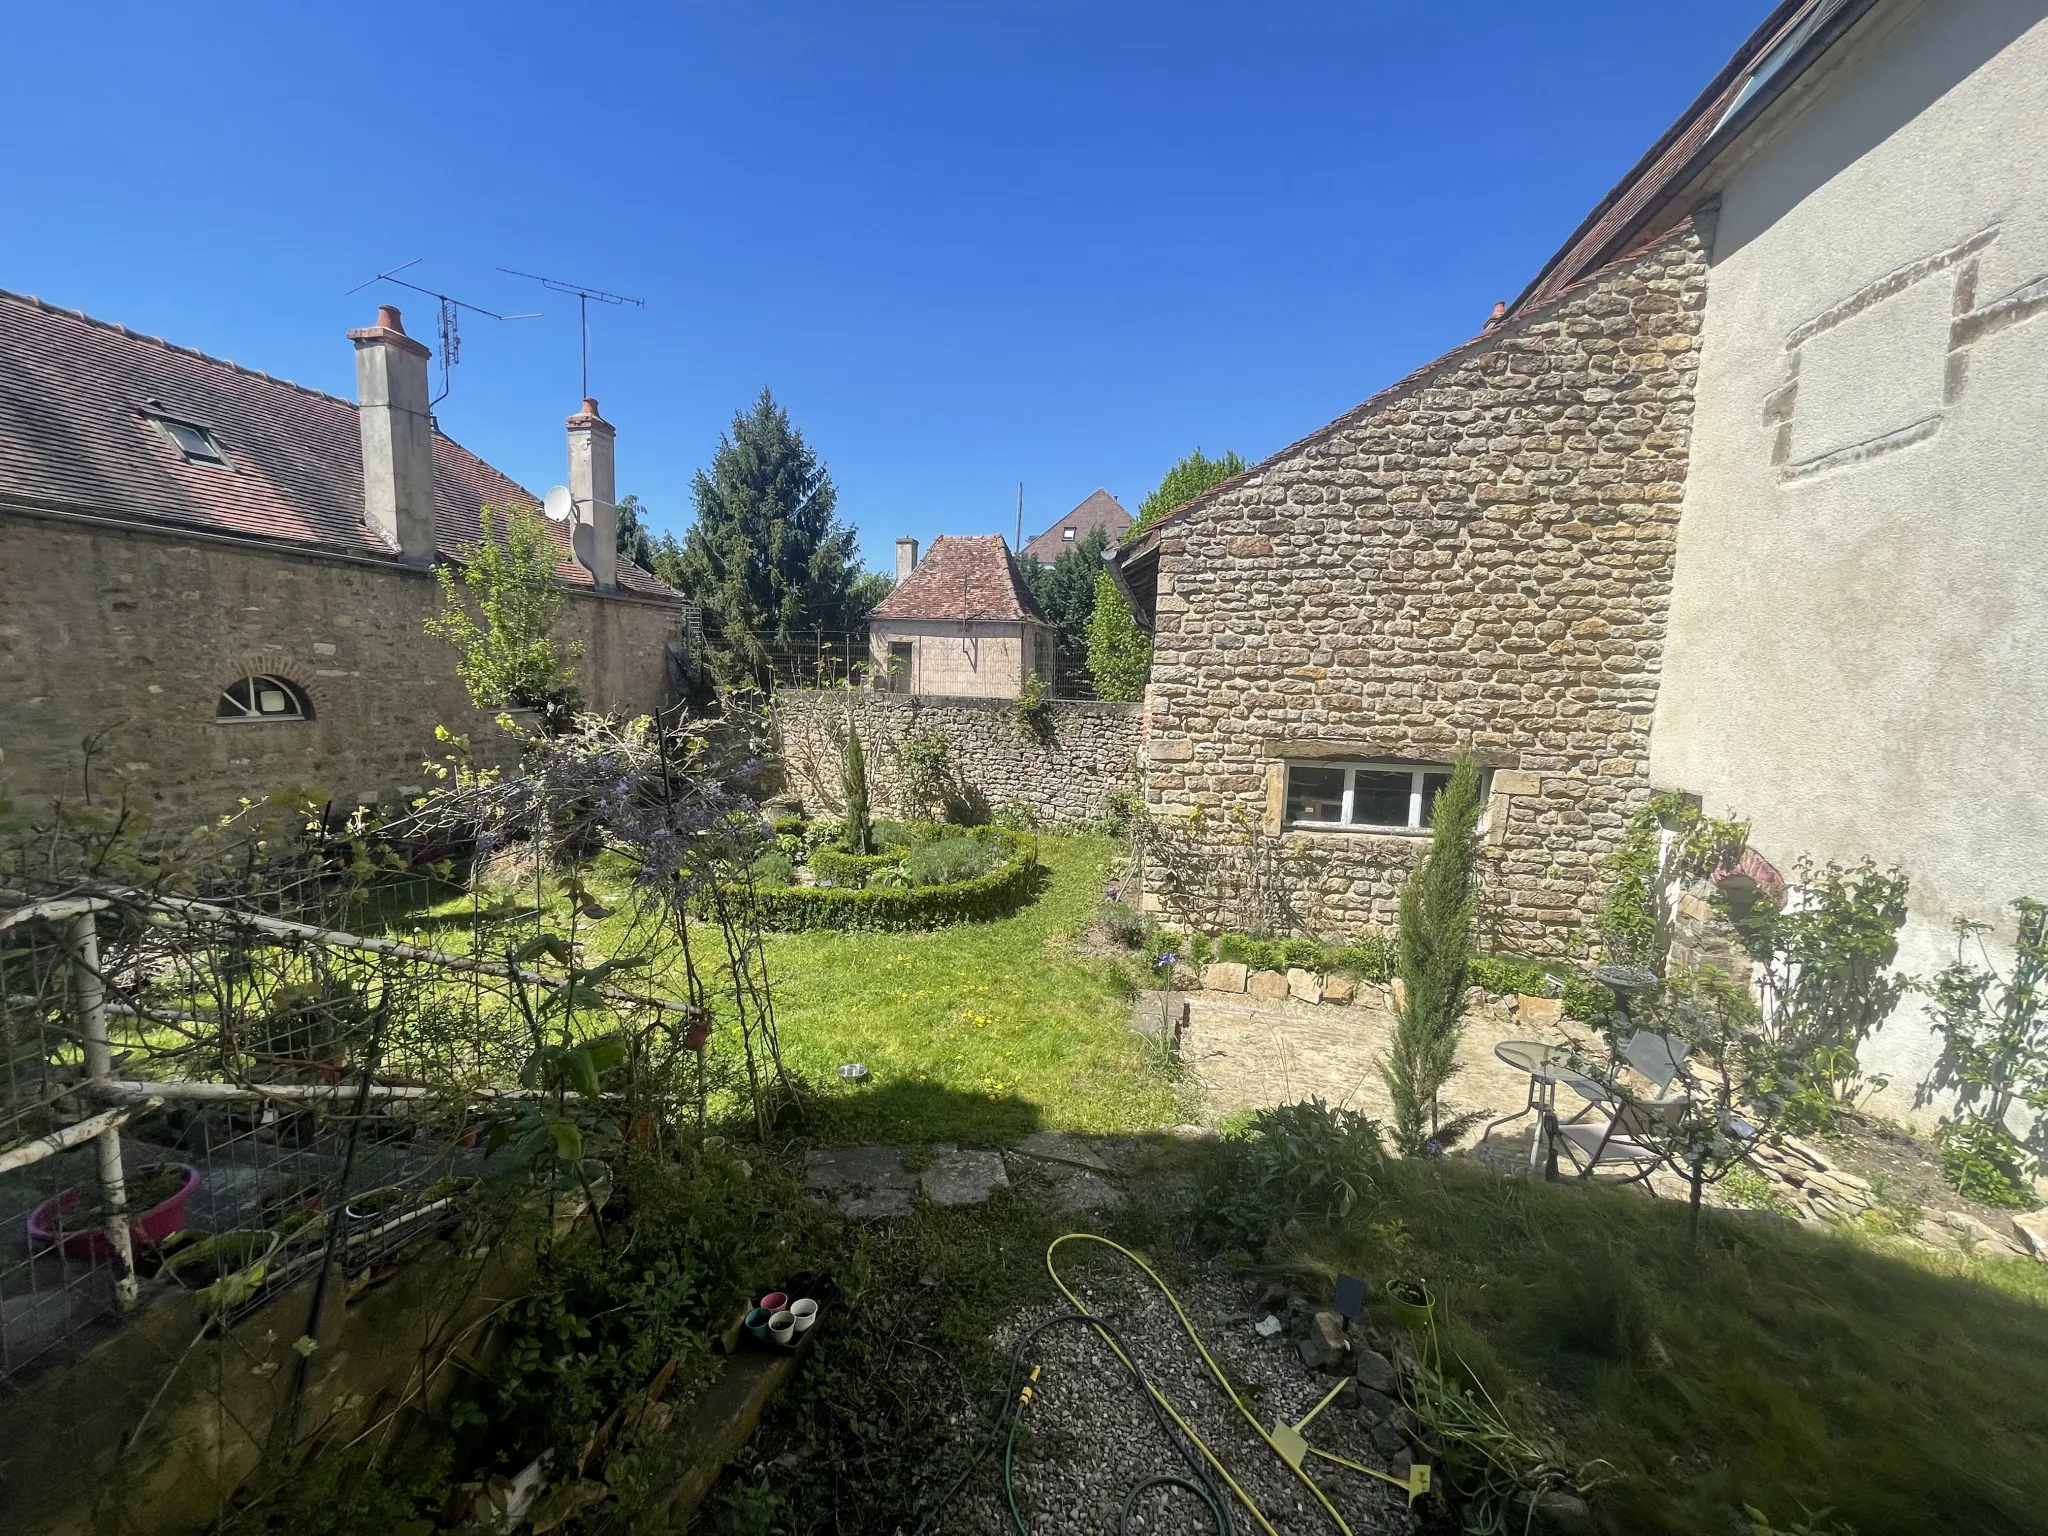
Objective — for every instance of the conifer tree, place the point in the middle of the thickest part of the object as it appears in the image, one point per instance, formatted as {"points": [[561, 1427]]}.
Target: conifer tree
{"points": [[1433, 953], [853, 783]]}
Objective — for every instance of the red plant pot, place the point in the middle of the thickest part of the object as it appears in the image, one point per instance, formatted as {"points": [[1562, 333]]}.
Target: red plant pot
{"points": [[46, 1222]]}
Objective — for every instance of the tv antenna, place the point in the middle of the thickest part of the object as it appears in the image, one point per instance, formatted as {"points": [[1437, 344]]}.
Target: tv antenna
{"points": [[583, 297], [451, 336]]}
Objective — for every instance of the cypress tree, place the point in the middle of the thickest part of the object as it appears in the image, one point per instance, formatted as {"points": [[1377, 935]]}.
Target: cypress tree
{"points": [[1433, 953], [853, 783]]}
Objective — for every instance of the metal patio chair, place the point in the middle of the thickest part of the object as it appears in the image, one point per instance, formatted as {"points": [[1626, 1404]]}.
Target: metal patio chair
{"points": [[1618, 1132], [1659, 1058]]}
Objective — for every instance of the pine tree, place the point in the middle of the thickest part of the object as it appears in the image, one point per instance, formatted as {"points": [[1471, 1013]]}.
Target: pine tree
{"points": [[1433, 953], [853, 783], [767, 558]]}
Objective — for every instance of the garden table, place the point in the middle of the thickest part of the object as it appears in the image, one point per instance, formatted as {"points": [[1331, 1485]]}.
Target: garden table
{"points": [[1547, 1066]]}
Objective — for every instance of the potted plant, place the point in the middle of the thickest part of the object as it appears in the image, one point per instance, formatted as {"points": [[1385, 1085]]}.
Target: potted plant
{"points": [[1411, 1304], [156, 1195], [226, 1268]]}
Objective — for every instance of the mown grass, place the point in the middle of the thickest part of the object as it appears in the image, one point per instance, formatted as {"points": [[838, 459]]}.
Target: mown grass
{"points": [[975, 1033], [978, 1032], [1769, 1365]]}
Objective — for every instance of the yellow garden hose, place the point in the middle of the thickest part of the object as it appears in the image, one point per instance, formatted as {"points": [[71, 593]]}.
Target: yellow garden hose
{"points": [[1294, 1461]]}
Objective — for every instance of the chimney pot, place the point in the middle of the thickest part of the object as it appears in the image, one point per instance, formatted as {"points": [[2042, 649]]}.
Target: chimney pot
{"points": [[589, 406], [397, 427]]}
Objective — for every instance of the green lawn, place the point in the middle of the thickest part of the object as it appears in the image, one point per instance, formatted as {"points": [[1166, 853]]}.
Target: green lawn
{"points": [[975, 1033], [979, 1033]]}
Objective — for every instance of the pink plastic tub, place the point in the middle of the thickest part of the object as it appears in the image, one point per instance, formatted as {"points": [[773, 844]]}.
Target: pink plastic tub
{"points": [[46, 1221]]}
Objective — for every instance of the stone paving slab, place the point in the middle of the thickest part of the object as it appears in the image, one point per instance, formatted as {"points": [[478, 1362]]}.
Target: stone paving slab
{"points": [[1061, 1147], [869, 1181], [954, 1177]]}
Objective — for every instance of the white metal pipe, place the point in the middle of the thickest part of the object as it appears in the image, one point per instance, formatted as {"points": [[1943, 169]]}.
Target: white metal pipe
{"points": [[63, 1140]]}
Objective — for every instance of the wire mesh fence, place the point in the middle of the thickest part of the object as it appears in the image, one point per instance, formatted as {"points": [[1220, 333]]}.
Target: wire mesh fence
{"points": [[236, 1069]]}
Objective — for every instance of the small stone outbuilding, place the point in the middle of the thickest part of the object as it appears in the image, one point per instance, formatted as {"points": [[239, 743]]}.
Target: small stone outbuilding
{"points": [[960, 624]]}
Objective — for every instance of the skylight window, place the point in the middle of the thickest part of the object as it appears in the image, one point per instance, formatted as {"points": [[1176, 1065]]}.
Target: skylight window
{"points": [[197, 444], [1772, 62]]}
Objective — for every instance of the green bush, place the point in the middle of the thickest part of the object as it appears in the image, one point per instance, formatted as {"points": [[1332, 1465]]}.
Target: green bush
{"points": [[949, 861], [775, 867], [851, 869], [995, 894], [1509, 973], [1124, 923], [1300, 1162]]}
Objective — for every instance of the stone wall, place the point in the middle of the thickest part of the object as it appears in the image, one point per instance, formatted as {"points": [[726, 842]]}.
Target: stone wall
{"points": [[1478, 558], [134, 635], [1088, 753]]}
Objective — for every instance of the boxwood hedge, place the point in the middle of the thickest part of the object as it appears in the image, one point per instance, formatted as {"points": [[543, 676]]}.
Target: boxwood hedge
{"points": [[996, 894]]}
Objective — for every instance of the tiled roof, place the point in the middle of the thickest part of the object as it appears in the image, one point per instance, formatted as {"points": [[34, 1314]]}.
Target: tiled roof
{"points": [[1807, 27], [1100, 510], [76, 435], [962, 577]]}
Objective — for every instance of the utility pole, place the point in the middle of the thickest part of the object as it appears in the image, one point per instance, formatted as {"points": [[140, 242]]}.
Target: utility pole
{"points": [[1020, 517]]}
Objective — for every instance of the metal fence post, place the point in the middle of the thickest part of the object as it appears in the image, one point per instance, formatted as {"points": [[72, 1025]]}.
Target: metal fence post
{"points": [[89, 995]]}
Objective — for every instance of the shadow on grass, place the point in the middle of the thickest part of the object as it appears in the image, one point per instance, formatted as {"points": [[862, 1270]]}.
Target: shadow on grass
{"points": [[1769, 1364], [908, 1113]]}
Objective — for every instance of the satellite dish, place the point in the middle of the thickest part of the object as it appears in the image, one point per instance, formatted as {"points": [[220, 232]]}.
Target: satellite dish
{"points": [[559, 503]]}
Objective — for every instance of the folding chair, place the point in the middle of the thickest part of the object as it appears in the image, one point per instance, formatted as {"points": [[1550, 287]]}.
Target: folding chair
{"points": [[1623, 1132], [1659, 1058]]}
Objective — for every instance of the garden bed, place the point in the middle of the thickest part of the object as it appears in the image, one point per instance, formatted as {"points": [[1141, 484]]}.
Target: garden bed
{"points": [[850, 896]]}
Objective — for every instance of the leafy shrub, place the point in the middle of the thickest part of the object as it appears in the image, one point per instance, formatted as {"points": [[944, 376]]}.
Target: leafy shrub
{"points": [[881, 908], [1123, 922], [1017, 816], [851, 869], [1985, 1162], [1509, 973], [948, 861], [789, 826], [1120, 808], [775, 867], [1300, 1162]]}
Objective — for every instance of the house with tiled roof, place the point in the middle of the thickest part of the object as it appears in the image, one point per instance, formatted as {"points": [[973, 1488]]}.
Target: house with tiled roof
{"points": [[223, 578], [960, 623], [1100, 510], [1741, 498]]}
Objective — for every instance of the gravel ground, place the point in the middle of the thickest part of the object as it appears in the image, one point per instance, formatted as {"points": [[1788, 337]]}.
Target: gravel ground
{"points": [[1091, 1437]]}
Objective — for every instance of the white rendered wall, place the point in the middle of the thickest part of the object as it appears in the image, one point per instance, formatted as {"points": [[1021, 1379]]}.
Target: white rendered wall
{"points": [[1858, 646]]}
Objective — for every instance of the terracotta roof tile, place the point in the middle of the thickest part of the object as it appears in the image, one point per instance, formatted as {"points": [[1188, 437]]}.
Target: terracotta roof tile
{"points": [[76, 399], [963, 577], [1100, 510]]}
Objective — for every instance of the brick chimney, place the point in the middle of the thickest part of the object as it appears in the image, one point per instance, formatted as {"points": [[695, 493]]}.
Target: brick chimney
{"points": [[906, 559], [594, 521], [398, 436]]}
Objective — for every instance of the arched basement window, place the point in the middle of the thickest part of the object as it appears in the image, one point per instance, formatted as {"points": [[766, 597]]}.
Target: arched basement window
{"points": [[263, 697]]}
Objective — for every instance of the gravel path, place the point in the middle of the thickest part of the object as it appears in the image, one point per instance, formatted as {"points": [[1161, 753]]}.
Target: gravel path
{"points": [[1089, 1436]]}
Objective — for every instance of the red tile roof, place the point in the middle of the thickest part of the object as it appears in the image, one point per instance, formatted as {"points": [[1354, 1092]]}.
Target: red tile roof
{"points": [[75, 434], [962, 578], [1100, 510]]}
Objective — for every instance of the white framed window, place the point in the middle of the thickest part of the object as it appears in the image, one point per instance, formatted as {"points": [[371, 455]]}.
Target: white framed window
{"points": [[1364, 797], [263, 697]]}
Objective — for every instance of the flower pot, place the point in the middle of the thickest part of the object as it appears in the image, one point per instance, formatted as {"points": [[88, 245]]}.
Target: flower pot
{"points": [[1411, 1303], [240, 1257], [803, 1312], [757, 1322], [782, 1328], [373, 1203], [47, 1223]]}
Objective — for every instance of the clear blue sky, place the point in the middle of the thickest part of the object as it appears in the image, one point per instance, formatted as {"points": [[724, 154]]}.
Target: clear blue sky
{"points": [[965, 244]]}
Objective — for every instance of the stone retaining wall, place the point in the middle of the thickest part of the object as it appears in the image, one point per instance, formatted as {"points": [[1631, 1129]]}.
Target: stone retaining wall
{"points": [[1479, 558], [1083, 760]]}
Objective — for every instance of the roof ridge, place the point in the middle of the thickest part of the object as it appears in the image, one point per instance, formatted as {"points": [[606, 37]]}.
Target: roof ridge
{"points": [[1380, 397], [171, 346]]}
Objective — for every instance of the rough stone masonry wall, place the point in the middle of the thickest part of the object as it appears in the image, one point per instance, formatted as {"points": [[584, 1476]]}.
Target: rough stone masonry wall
{"points": [[1483, 559], [1089, 754], [136, 634]]}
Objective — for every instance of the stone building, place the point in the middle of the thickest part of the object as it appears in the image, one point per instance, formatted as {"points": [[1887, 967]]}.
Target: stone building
{"points": [[1100, 510], [223, 578], [960, 624], [1741, 498]]}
